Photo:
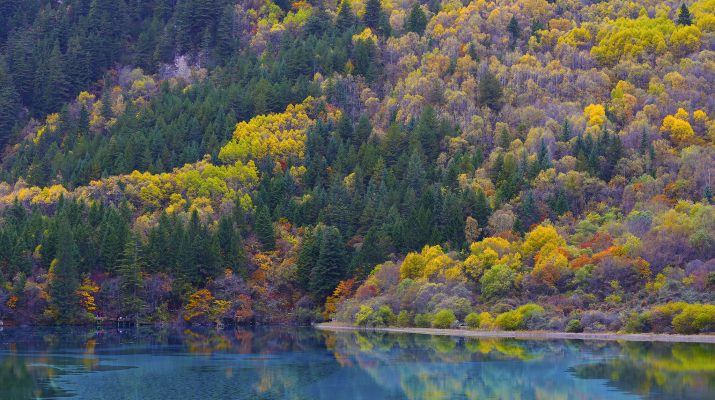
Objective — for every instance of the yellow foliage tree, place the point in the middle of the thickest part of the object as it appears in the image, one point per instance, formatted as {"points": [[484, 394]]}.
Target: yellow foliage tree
{"points": [[595, 114], [543, 238], [681, 132]]}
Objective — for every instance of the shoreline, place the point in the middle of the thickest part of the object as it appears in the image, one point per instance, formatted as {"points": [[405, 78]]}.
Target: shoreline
{"points": [[530, 335]]}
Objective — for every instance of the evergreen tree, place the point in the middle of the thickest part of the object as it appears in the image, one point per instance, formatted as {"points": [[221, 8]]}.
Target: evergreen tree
{"points": [[231, 246], [346, 17], [528, 214], [417, 20], [482, 210], [684, 17], [566, 131], [129, 272], [225, 41], [490, 92], [330, 266], [373, 14], [63, 279], [264, 229], [513, 29], [9, 104], [708, 194], [362, 131], [308, 256], [372, 252], [428, 132], [543, 157]]}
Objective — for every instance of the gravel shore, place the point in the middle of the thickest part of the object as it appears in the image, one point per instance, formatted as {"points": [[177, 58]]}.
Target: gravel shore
{"points": [[635, 337]]}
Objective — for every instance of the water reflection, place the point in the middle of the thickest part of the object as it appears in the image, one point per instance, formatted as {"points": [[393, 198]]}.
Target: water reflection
{"points": [[272, 363]]}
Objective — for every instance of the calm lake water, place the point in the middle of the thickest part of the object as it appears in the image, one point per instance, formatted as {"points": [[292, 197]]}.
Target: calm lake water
{"points": [[303, 363]]}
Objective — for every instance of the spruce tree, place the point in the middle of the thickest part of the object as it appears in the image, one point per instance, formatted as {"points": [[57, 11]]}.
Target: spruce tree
{"points": [[490, 92], [346, 17], [129, 272], [417, 20], [684, 17], [330, 266], [513, 29], [308, 256], [9, 104], [264, 229], [231, 246], [373, 14], [362, 131], [63, 279]]}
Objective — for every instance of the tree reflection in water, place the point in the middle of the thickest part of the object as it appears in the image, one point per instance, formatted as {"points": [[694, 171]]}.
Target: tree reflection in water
{"points": [[304, 363]]}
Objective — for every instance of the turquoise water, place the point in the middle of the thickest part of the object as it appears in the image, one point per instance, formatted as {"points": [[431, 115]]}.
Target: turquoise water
{"points": [[304, 363]]}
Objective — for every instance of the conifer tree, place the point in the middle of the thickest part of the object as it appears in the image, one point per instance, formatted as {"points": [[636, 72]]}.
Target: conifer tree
{"points": [[264, 229], [513, 29], [490, 92], [346, 17], [330, 266], [373, 14], [63, 280], [129, 272], [417, 20], [231, 246], [684, 17], [9, 104]]}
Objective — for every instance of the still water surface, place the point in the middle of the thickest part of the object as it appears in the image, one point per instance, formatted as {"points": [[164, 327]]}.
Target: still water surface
{"points": [[303, 363]]}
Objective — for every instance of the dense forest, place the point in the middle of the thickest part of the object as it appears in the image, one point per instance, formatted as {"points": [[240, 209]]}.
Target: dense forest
{"points": [[515, 164]]}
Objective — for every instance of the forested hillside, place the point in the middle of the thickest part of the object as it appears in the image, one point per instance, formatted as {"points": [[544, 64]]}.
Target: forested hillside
{"points": [[515, 164]]}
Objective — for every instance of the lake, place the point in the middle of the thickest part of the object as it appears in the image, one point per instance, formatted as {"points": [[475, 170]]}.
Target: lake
{"points": [[304, 363]]}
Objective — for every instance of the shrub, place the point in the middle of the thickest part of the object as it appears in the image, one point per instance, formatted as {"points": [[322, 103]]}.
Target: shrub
{"points": [[486, 321], [597, 321], [574, 326], [695, 318], [384, 316], [509, 321], [659, 318], [364, 316], [472, 320], [515, 320], [444, 319], [404, 318], [636, 323], [423, 320]]}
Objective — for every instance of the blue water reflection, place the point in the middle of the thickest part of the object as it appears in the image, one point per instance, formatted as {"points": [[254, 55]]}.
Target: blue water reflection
{"points": [[304, 363]]}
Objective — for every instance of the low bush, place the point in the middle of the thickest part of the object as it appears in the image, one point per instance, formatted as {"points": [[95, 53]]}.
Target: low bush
{"points": [[472, 320], [486, 321], [404, 318], [444, 319], [574, 326], [516, 319], [695, 318], [678, 317], [368, 317], [423, 320]]}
